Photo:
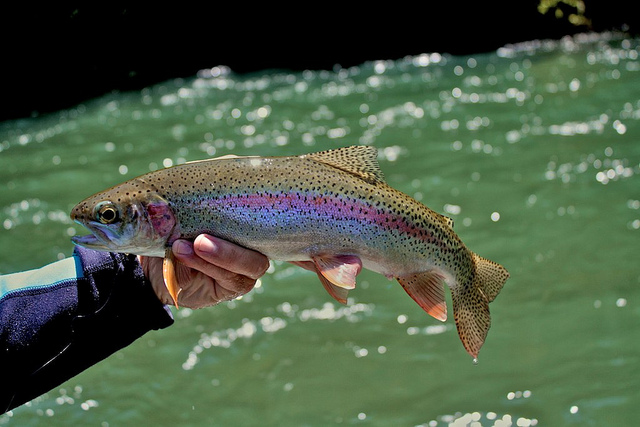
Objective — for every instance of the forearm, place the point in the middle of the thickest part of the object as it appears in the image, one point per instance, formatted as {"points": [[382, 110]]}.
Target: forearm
{"points": [[52, 331]]}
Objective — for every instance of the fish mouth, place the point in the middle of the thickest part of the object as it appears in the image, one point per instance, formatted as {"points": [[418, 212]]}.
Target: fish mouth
{"points": [[99, 240], [88, 241]]}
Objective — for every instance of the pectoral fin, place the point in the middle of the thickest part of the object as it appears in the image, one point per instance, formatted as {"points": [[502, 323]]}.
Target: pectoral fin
{"points": [[170, 276], [339, 270], [427, 289]]}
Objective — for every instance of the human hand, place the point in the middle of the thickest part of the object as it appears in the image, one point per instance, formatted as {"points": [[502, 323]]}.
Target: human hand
{"points": [[213, 271]]}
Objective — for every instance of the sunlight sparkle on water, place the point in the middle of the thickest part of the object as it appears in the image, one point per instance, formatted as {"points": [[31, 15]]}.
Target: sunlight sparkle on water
{"points": [[269, 324], [479, 419]]}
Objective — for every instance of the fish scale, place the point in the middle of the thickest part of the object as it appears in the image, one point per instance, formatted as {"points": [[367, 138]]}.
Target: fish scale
{"points": [[331, 207], [265, 206]]}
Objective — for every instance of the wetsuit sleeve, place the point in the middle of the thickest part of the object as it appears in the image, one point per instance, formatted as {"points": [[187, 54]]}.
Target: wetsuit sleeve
{"points": [[57, 321]]}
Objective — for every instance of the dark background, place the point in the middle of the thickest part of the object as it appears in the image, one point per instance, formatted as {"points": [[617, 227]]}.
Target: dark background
{"points": [[57, 56]]}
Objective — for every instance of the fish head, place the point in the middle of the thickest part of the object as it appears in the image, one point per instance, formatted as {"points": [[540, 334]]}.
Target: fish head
{"points": [[130, 217]]}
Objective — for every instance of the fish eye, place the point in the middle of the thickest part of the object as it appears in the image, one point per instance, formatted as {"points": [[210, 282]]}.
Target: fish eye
{"points": [[107, 213]]}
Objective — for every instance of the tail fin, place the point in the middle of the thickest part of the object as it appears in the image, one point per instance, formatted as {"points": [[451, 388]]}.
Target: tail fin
{"points": [[471, 302]]}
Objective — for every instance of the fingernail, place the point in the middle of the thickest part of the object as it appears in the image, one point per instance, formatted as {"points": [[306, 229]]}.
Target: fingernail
{"points": [[181, 247], [206, 245]]}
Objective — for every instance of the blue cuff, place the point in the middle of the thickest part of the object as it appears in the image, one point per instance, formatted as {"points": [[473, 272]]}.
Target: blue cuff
{"points": [[49, 275], [59, 320]]}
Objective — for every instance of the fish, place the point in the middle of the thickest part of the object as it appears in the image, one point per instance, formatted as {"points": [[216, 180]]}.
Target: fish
{"points": [[332, 208]]}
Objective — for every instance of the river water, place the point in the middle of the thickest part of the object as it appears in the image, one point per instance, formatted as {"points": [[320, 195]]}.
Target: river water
{"points": [[533, 150]]}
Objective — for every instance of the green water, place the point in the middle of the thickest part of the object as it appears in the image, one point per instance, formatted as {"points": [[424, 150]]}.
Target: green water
{"points": [[533, 151]]}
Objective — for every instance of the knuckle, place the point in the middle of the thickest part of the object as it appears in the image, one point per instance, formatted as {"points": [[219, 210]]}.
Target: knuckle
{"points": [[234, 287], [243, 286]]}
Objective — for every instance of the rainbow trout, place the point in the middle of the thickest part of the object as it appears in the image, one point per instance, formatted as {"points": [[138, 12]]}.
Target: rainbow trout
{"points": [[331, 207]]}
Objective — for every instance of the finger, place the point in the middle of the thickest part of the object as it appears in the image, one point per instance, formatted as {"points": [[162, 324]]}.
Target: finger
{"points": [[230, 282], [233, 288], [184, 252], [211, 292], [231, 257]]}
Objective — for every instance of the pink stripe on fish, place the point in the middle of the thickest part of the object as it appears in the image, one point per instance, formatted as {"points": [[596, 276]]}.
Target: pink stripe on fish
{"points": [[323, 204]]}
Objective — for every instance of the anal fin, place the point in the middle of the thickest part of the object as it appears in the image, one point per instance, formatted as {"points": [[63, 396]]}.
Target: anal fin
{"points": [[427, 289]]}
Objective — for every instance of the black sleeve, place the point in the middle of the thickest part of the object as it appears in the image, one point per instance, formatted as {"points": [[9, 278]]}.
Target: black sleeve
{"points": [[52, 332]]}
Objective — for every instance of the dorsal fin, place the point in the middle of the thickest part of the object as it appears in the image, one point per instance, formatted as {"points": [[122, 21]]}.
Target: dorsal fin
{"points": [[358, 160], [448, 220]]}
